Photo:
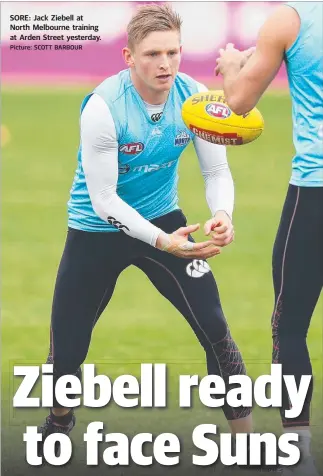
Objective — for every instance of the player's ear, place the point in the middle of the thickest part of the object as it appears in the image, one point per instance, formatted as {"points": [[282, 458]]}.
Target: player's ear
{"points": [[127, 56]]}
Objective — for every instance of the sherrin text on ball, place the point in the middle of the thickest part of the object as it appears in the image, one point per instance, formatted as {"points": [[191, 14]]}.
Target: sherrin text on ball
{"points": [[208, 116]]}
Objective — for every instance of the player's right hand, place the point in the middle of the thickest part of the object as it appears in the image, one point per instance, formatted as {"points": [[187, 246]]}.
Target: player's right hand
{"points": [[178, 244]]}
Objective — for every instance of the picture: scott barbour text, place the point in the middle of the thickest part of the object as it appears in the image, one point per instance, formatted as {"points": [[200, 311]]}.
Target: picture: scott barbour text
{"points": [[45, 47]]}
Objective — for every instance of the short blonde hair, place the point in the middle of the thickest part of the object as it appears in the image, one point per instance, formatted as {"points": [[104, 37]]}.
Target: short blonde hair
{"points": [[149, 18]]}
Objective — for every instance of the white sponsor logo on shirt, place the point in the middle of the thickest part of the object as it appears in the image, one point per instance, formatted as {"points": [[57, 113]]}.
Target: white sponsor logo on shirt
{"points": [[153, 167]]}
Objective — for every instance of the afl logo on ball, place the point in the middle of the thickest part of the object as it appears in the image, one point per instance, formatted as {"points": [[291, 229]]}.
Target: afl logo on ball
{"points": [[217, 109], [197, 268]]}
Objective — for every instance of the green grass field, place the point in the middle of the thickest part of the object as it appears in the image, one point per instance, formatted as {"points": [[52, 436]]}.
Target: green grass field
{"points": [[139, 326]]}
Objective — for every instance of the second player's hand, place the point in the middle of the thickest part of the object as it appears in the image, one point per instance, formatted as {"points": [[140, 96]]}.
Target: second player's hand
{"points": [[220, 229], [178, 244], [231, 57]]}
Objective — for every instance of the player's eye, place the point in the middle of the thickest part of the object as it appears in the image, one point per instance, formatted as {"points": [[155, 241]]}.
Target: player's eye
{"points": [[172, 53], [153, 53]]}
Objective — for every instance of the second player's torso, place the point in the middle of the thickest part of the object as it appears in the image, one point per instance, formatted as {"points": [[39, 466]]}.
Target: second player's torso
{"points": [[305, 74]]}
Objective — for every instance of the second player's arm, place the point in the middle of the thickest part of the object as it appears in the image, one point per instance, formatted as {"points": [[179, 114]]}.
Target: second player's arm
{"points": [[244, 87]]}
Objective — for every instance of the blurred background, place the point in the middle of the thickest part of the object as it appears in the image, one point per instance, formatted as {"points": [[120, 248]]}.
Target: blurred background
{"points": [[41, 96], [206, 28]]}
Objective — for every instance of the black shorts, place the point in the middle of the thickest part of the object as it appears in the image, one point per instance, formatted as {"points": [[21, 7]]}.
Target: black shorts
{"points": [[298, 281], [89, 269], [298, 259]]}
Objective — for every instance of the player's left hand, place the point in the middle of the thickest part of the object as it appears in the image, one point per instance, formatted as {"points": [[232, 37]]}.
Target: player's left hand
{"points": [[220, 229], [230, 56]]}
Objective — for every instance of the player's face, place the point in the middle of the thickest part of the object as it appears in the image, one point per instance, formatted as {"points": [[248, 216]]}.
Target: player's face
{"points": [[156, 59]]}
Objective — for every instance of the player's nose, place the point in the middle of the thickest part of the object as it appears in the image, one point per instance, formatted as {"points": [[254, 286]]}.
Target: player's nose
{"points": [[164, 65]]}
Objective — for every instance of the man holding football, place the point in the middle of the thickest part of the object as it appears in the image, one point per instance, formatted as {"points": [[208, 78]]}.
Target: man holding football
{"points": [[123, 209], [292, 34]]}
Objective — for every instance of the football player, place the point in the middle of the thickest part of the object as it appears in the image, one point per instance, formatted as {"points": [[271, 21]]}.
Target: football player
{"points": [[293, 33], [123, 209]]}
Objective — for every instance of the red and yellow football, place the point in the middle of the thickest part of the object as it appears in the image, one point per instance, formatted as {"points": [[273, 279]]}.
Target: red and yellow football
{"points": [[208, 116]]}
